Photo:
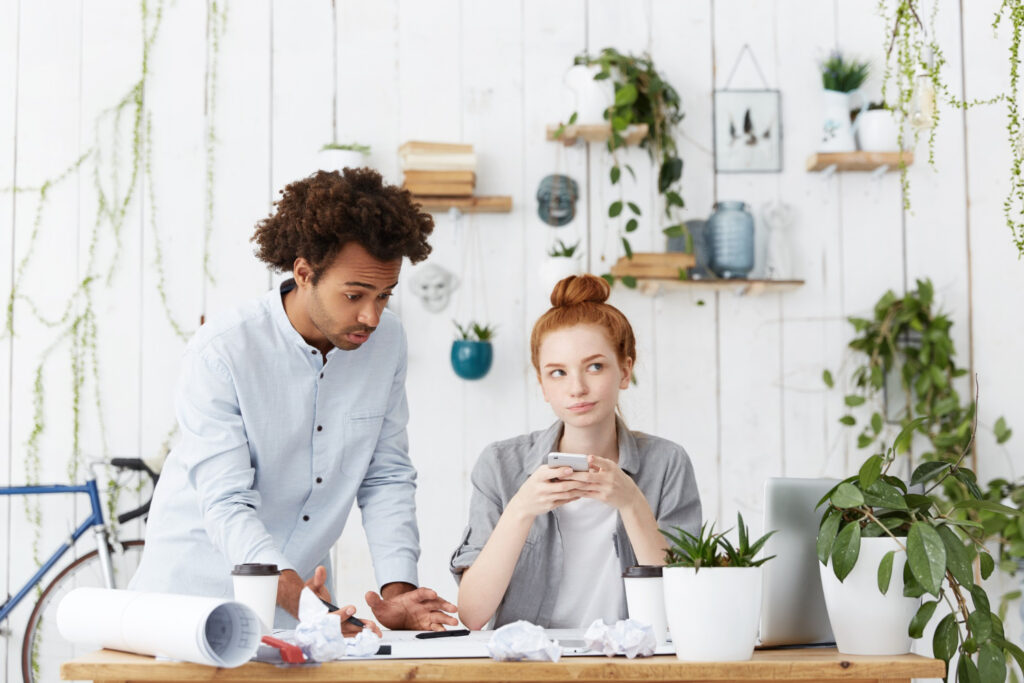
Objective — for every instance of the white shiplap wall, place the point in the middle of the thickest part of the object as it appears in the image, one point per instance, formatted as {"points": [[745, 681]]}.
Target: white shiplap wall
{"points": [[736, 381]]}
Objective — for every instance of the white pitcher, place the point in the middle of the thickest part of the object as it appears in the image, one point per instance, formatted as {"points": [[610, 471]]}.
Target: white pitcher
{"points": [[836, 129]]}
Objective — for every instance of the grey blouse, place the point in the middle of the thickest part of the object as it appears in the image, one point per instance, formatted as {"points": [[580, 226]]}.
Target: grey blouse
{"points": [[660, 468]]}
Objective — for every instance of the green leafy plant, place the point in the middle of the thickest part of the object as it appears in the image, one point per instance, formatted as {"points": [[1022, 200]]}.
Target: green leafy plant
{"points": [[1013, 205], [642, 95], [843, 75], [708, 549], [352, 146], [473, 331], [561, 250], [940, 552]]}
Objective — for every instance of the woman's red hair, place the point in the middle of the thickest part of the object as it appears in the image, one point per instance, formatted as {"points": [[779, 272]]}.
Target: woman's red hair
{"points": [[581, 300]]}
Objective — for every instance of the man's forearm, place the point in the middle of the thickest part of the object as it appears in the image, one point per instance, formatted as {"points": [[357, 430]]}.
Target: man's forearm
{"points": [[395, 588], [289, 587]]}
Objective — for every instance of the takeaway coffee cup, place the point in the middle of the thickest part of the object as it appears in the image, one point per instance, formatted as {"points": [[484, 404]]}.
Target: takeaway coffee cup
{"points": [[645, 599], [256, 588]]}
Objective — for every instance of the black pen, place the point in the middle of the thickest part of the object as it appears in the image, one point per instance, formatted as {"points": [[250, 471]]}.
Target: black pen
{"points": [[335, 608], [443, 634]]}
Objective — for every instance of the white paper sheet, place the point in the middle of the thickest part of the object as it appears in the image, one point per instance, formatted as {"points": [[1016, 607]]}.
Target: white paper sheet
{"points": [[189, 628]]}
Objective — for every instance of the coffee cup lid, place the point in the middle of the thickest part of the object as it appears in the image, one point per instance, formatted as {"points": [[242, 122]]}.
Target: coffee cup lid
{"points": [[255, 569], [641, 572]]}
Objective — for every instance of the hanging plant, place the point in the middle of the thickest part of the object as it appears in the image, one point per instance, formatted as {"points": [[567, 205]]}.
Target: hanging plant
{"points": [[1013, 205], [472, 354], [642, 95]]}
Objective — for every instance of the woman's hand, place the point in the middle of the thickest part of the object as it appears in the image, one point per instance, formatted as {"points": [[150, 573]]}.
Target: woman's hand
{"points": [[546, 489], [606, 482]]}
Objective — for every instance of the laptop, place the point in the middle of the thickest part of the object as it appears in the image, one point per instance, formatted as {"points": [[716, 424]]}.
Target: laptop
{"points": [[792, 603]]}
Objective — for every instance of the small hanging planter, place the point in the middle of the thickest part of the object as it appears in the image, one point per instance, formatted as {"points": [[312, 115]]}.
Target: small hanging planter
{"points": [[338, 157], [472, 352], [562, 262]]}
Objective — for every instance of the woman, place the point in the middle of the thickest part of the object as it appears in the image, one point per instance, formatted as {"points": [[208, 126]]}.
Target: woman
{"points": [[547, 544]]}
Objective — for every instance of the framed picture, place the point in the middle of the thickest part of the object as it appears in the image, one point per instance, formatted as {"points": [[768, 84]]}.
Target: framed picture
{"points": [[748, 131]]}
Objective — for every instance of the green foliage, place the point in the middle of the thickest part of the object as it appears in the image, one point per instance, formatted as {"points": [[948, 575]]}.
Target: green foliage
{"points": [[561, 250], [939, 547], [352, 146], [708, 549], [843, 75], [1013, 205], [474, 331], [642, 95]]}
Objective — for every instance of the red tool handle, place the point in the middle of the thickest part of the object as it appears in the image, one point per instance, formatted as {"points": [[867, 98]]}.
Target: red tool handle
{"points": [[290, 654]]}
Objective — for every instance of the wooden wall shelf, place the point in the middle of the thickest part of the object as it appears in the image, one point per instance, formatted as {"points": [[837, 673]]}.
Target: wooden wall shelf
{"points": [[653, 286], [598, 132], [858, 161], [481, 204]]}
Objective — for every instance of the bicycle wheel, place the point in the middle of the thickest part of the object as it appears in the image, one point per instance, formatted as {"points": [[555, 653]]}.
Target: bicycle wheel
{"points": [[43, 650]]}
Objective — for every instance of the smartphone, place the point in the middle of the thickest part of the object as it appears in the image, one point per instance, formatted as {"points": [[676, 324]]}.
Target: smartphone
{"points": [[576, 461]]}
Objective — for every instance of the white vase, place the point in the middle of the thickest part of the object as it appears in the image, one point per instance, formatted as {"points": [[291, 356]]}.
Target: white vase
{"points": [[713, 613], [836, 129], [340, 159], [590, 98], [877, 131], [556, 268], [864, 621]]}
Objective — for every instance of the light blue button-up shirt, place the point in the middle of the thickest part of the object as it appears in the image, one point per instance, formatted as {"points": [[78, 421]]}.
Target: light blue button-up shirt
{"points": [[275, 446]]}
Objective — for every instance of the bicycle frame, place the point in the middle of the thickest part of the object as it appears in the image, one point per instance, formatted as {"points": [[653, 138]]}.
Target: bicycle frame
{"points": [[95, 521]]}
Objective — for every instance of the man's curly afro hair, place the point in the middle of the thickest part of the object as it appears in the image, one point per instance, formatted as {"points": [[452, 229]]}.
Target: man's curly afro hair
{"points": [[318, 215]]}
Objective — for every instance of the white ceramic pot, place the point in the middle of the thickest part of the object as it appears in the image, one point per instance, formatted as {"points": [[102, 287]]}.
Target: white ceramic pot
{"points": [[836, 129], [713, 614], [555, 268], [877, 131], [590, 98], [340, 159], [864, 621]]}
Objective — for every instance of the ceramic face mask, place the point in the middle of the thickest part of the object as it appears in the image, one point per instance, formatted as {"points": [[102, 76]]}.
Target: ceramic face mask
{"points": [[434, 286], [556, 199]]}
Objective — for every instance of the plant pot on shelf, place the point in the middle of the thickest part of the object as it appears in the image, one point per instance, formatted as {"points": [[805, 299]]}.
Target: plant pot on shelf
{"points": [[556, 268], [471, 359], [836, 129], [591, 98], [340, 159], [864, 621], [877, 131], [713, 613]]}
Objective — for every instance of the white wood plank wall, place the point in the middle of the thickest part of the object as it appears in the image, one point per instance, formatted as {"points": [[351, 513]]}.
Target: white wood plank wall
{"points": [[737, 381]]}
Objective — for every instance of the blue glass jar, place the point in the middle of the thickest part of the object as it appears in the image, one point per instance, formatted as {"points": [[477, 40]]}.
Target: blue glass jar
{"points": [[731, 238]]}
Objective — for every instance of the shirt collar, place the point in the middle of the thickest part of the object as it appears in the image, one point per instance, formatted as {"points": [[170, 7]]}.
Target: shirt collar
{"points": [[276, 296], [629, 458]]}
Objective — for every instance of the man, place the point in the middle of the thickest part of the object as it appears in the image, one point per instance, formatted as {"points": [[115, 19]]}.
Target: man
{"points": [[292, 406]]}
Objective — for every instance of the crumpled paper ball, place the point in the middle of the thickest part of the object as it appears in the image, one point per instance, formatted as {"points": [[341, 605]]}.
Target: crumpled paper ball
{"points": [[319, 633], [627, 637], [523, 641]]}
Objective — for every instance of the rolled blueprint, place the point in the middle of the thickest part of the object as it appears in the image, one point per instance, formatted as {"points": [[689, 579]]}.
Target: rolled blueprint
{"points": [[184, 627]]}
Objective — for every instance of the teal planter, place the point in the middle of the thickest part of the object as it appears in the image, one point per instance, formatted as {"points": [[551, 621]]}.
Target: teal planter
{"points": [[471, 359]]}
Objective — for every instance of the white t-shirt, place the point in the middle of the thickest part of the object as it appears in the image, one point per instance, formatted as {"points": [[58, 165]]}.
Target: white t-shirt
{"points": [[591, 582]]}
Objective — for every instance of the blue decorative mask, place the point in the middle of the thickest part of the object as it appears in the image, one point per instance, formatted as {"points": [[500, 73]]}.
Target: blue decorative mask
{"points": [[556, 199]]}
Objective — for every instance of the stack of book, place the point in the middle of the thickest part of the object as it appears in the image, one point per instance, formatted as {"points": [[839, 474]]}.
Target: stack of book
{"points": [[438, 169]]}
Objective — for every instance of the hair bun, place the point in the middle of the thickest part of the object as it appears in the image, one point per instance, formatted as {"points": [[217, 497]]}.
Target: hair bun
{"points": [[578, 289]]}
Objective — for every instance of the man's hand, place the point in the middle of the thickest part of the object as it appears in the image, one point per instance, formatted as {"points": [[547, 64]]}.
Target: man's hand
{"points": [[405, 607], [290, 585]]}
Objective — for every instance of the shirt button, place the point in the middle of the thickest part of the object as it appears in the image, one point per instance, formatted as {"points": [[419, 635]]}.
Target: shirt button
{"points": [[319, 428], [313, 352], [305, 518], [321, 375], [319, 480]]}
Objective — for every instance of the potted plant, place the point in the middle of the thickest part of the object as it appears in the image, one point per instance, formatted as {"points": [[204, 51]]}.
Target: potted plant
{"points": [[337, 157], [562, 261], [640, 95], [841, 79], [877, 130], [713, 593], [471, 351], [925, 550]]}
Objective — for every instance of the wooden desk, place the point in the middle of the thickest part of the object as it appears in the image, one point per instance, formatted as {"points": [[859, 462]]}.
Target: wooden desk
{"points": [[818, 664]]}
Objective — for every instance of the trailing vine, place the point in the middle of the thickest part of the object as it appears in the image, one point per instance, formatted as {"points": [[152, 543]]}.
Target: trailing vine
{"points": [[216, 25], [1013, 205]]}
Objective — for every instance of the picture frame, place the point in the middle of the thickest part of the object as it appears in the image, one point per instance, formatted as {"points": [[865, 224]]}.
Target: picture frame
{"points": [[747, 131]]}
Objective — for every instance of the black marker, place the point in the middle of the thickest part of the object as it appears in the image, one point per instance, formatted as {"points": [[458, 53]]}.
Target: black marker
{"points": [[335, 608], [443, 634]]}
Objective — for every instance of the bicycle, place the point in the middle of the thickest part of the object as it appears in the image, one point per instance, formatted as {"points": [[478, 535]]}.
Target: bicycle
{"points": [[43, 649]]}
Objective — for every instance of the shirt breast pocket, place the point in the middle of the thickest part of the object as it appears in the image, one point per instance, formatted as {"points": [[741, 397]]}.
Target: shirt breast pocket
{"points": [[362, 430]]}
